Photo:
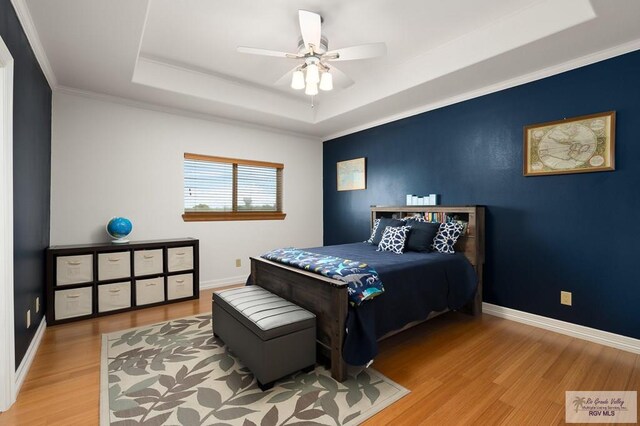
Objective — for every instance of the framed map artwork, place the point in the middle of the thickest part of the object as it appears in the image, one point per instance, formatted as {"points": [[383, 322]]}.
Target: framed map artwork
{"points": [[573, 145], [351, 174]]}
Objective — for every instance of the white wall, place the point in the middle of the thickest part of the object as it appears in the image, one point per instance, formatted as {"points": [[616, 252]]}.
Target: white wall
{"points": [[109, 159]]}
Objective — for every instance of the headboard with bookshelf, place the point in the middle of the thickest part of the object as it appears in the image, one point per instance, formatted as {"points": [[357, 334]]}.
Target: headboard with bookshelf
{"points": [[471, 243]]}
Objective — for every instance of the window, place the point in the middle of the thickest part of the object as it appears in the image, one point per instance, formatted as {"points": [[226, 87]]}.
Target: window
{"points": [[218, 188]]}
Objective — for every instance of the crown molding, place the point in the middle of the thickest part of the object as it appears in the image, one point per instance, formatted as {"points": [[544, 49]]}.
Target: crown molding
{"points": [[25, 18], [507, 84], [29, 28], [179, 111]]}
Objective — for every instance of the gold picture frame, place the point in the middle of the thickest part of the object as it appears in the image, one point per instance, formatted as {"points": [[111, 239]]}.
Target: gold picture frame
{"points": [[574, 145], [351, 174]]}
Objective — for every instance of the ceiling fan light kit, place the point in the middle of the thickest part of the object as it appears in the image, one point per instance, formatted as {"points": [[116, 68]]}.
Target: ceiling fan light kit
{"points": [[315, 73], [316, 77], [311, 89], [326, 81], [297, 80]]}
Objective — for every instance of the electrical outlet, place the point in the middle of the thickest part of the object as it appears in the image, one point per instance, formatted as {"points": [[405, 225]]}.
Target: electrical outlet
{"points": [[565, 298], [29, 318], [37, 304], [238, 263]]}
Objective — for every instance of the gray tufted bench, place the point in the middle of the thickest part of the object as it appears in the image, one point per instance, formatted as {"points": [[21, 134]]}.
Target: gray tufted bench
{"points": [[271, 336]]}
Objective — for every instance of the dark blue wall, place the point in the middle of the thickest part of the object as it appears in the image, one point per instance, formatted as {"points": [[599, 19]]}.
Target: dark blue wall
{"points": [[576, 232], [31, 177]]}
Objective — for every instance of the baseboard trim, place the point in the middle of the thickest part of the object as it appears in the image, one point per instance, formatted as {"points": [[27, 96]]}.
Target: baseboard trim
{"points": [[222, 282], [574, 330], [25, 365]]}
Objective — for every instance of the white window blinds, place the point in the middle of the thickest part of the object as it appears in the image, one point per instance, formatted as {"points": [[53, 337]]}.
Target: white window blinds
{"points": [[231, 186], [257, 188], [208, 186]]}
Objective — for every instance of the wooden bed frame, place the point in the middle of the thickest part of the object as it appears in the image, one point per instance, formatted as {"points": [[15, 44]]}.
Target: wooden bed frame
{"points": [[327, 298]]}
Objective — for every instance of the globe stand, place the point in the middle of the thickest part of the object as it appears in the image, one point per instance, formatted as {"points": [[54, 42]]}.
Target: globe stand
{"points": [[119, 229]]}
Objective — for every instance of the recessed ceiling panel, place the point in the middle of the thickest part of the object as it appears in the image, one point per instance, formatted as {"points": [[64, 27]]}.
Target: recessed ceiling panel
{"points": [[181, 55], [205, 34]]}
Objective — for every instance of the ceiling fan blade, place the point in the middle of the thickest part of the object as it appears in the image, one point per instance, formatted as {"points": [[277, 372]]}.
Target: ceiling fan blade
{"points": [[310, 28], [266, 52], [362, 51], [340, 79]]}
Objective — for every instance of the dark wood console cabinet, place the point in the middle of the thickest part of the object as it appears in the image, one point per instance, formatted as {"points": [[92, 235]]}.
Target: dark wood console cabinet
{"points": [[87, 281]]}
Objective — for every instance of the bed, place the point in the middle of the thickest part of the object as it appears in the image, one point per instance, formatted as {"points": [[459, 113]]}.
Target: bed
{"points": [[416, 284]]}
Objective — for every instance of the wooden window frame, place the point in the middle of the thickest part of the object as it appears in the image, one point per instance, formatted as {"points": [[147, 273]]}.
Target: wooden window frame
{"points": [[235, 214]]}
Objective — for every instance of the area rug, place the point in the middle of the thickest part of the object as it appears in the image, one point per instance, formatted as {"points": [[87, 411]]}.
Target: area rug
{"points": [[176, 373]]}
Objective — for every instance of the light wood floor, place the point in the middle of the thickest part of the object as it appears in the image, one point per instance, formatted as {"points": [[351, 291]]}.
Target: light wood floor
{"points": [[460, 370]]}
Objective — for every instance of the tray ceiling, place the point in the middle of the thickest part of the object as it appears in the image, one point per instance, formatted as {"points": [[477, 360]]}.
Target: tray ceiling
{"points": [[182, 55]]}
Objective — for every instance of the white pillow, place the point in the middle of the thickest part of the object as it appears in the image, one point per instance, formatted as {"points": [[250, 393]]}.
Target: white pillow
{"points": [[394, 238], [373, 231], [447, 236]]}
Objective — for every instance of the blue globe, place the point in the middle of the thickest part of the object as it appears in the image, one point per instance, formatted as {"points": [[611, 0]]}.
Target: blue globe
{"points": [[118, 228]]}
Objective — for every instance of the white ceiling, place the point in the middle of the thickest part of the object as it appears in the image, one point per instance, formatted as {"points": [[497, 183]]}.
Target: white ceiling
{"points": [[181, 54]]}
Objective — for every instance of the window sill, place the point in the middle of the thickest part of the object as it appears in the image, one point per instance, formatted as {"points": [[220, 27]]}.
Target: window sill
{"points": [[226, 216]]}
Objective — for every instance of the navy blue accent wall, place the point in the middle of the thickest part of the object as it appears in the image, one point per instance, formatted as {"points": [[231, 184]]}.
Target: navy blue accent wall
{"points": [[31, 177], [576, 232]]}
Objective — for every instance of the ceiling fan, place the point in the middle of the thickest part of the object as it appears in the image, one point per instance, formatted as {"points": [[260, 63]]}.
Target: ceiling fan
{"points": [[315, 72]]}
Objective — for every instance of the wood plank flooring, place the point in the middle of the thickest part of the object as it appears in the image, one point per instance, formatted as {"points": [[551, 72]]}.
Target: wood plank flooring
{"points": [[460, 370]]}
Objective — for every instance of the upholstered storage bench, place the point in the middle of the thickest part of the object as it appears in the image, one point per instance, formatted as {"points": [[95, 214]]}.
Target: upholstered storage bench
{"points": [[271, 336]]}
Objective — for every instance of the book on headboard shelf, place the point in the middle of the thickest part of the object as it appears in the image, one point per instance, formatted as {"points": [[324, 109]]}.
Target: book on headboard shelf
{"points": [[442, 217], [430, 216]]}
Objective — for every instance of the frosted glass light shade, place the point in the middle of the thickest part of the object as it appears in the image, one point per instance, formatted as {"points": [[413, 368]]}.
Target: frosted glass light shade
{"points": [[312, 89], [326, 81], [313, 74], [297, 80]]}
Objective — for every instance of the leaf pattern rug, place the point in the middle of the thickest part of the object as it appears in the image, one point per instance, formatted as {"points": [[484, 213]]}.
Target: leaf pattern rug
{"points": [[176, 373]]}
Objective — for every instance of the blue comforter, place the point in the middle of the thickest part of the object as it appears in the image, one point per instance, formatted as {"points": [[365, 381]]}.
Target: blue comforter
{"points": [[415, 285]]}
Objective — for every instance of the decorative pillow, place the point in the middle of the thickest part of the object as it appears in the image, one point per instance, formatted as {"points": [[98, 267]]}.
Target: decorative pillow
{"points": [[448, 234], [421, 236], [373, 231], [417, 219], [384, 222], [393, 239]]}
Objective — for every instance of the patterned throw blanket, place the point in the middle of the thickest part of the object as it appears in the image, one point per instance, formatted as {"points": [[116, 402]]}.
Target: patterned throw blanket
{"points": [[363, 282]]}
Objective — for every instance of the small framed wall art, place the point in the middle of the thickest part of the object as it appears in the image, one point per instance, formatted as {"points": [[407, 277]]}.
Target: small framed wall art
{"points": [[352, 174], [573, 145]]}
